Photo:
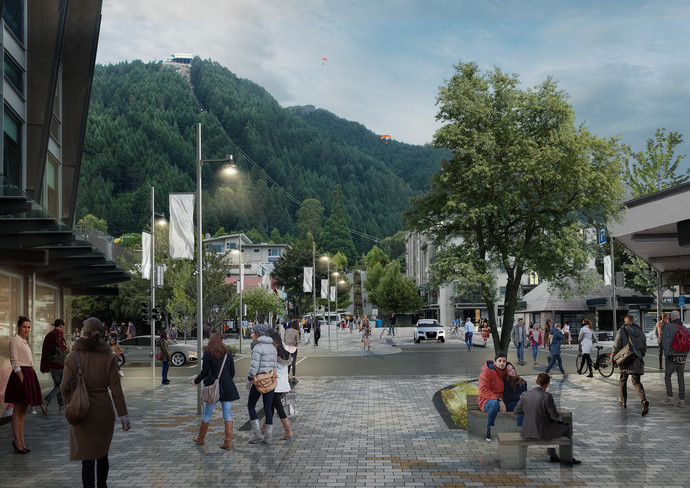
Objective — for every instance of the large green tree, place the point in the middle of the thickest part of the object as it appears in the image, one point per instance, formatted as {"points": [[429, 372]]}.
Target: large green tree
{"points": [[261, 303], [397, 293], [336, 236], [288, 272], [522, 184], [309, 218]]}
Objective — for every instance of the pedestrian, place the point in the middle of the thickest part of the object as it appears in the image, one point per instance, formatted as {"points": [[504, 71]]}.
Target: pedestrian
{"points": [[485, 331], [659, 332], [22, 388], [513, 387], [519, 337], [366, 333], [542, 420], [555, 350], [491, 387], [307, 330], [217, 356], [90, 439], [631, 333], [455, 323], [292, 341], [53, 356], [122, 334], [164, 351], [534, 340], [118, 352], [566, 334], [586, 338], [469, 332], [547, 334], [173, 333], [131, 330], [394, 319], [283, 362], [264, 358], [317, 331], [675, 359]]}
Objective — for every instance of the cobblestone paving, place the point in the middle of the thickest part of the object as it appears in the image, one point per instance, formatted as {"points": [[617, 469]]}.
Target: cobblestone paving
{"points": [[362, 432]]}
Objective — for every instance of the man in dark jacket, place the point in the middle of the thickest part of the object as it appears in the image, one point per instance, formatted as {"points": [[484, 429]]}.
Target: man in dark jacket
{"points": [[542, 420], [675, 360], [632, 332], [555, 349], [53, 361]]}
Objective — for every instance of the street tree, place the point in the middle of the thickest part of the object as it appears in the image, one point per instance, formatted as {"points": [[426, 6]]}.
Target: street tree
{"points": [[336, 235], [374, 275], [288, 272], [261, 303], [397, 293], [374, 256], [394, 246], [537, 181]]}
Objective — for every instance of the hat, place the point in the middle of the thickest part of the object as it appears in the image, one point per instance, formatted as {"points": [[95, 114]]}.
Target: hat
{"points": [[675, 315], [500, 355], [58, 323], [261, 329]]}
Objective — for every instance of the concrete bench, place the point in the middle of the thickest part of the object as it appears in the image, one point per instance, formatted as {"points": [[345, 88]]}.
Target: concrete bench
{"points": [[512, 449]]}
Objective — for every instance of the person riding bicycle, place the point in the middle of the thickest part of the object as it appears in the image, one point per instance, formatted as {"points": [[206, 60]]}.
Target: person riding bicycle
{"points": [[456, 323]]}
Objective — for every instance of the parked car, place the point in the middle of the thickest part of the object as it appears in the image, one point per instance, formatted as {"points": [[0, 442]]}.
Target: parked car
{"points": [[138, 350], [429, 329]]}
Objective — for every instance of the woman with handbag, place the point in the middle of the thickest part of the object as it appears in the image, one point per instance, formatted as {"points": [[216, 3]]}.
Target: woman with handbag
{"points": [[282, 386], [586, 338], [261, 382], [534, 340], [90, 439], [164, 355], [23, 388], [218, 364]]}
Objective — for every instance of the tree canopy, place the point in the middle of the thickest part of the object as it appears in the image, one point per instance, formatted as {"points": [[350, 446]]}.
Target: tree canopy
{"points": [[522, 185]]}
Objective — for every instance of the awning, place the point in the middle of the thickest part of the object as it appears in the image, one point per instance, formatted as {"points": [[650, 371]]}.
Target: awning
{"points": [[36, 242]]}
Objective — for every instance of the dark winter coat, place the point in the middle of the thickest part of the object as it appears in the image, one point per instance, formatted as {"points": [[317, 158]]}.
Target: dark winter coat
{"points": [[209, 372], [638, 339], [541, 416]]}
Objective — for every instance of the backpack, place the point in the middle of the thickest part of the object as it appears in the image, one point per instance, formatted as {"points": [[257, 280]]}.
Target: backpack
{"points": [[78, 400], [681, 340]]}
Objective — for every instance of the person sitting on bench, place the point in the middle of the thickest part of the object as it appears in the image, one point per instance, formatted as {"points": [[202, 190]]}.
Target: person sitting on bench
{"points": [[491, 390], [541, 419]]}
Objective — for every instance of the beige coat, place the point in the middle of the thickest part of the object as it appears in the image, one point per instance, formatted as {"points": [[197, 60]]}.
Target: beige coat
{"points": [[91, 438]]}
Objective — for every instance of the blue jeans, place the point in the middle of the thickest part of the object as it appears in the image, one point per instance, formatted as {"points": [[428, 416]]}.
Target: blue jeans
{"points": [[554, 358], [535, 350], [251, 404], [468, 339], [510, 406], [208, 410], [164, 373], [391, 329], [56, 375], [520, 351], [491, 407]]}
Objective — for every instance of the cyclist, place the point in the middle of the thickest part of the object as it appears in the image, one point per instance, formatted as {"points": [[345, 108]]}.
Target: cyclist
{"points": [[456, 324]]}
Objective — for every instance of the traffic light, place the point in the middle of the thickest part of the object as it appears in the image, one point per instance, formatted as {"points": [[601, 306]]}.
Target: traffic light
{"points": [[145, 311], [155, 314]]}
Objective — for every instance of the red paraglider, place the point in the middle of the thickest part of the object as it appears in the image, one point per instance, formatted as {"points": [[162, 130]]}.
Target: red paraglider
{"points": [[323, 61], [386, 137]]}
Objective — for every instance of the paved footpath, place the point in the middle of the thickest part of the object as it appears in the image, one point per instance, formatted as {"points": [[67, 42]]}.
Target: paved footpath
{"points": [[362, 432]]}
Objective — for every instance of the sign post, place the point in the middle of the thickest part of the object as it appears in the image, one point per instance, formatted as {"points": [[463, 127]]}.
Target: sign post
{"points": [[681, 302]]}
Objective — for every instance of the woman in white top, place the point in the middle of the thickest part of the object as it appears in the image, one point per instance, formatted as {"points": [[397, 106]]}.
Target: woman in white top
{"points": [[283, 386], [586, 339]]}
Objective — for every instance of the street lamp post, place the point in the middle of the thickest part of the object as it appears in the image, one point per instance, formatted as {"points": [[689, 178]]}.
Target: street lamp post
{"points": [[152, 276], [337, 322], [199, 260], [328, 296], [240, 288]]}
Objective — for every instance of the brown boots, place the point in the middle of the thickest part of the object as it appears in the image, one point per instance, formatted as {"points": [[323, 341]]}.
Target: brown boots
{"points": [[227, 444], [288, 430], [203, 428]]}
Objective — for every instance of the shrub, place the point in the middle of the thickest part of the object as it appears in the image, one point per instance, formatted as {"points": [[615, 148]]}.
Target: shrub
{"points": [[455, 400]]}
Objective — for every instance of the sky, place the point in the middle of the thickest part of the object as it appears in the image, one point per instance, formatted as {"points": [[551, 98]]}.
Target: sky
{"points": [[624, 63]]}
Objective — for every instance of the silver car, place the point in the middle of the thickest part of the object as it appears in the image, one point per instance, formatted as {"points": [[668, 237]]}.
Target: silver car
{"points": [[138, 350]]}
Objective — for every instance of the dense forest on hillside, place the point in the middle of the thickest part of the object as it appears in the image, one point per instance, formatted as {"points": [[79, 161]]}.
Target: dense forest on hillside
{"points": [[141, 133]]}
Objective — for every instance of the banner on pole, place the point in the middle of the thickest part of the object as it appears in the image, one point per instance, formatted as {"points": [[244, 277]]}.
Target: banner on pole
{"points": [[307, 283], [146, 255], [607, 270], [332, 294], [324, 288], [182, 225]]}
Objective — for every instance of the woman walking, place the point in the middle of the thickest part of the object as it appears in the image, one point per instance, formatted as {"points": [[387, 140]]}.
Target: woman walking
{"points": [[586, 338], [90, 439], [23, 388], [366, 332], [291, 344], [547, 334], [283, 386], [165, 351], [534, 340], [116, 349], [264, 356], [218, 363]]}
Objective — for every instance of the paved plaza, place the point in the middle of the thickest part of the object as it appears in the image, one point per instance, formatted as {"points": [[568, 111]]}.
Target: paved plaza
{"points": [[364, 431]]}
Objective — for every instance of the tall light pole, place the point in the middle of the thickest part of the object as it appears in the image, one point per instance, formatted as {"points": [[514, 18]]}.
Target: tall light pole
{"points": [[240, 288], [328, 296], [153, 283], [337, 322], [199, 259]]}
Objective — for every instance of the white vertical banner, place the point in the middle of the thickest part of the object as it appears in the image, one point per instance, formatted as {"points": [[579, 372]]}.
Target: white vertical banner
{"points": [[146, 255], [307, 282], [332, 294], [607, 270], [324, 288], [182, 225]]}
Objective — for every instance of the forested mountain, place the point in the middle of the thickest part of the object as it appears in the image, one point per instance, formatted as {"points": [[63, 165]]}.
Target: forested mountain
{"points": [[141, 133]]}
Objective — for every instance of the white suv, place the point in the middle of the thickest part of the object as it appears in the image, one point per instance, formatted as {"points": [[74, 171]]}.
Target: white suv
{"points": [[429, 329]]}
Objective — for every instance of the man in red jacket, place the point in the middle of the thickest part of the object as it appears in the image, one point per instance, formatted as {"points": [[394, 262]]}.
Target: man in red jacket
{"points": [[491, 390]]}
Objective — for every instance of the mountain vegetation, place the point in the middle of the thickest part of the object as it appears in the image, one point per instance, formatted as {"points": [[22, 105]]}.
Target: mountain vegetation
{"points": [[141, 132]]}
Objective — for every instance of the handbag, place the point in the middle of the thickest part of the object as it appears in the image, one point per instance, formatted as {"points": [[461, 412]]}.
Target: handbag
{"points": [[265, 382], [626, 355], [159, 356], [58, 354], [78, 400], [211, 394], [289, 406]]}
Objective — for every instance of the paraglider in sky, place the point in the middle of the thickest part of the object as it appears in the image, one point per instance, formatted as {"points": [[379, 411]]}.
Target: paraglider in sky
{"points": [[323, 61], [386, 137]]}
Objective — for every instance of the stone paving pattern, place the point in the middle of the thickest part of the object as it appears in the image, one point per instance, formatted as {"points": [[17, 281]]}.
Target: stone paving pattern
{"points": [[362, 432]]}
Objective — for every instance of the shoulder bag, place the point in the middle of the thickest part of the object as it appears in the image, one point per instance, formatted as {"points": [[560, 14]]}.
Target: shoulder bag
{"points": [[78, 401], [265, 382], [57, 354], [211, 394], [626, 355], [289, 406]]}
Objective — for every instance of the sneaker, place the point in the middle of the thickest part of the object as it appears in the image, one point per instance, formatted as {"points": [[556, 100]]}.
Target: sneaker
{"points": [[121, 373], [669, 401], [488, 435], [44, 407], [645, 408], [681, 404]]}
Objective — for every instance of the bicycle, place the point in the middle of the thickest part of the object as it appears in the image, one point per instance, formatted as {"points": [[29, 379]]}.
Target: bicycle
{"points": [[452, 330], [603, 363]]}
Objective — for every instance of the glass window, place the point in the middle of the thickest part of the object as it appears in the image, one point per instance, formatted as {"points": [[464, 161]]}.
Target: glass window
{"points": [[46, 311], [533, 278], [232, 245], [10, 300], [257, 250], [12, 154], [274, 252], [13, 73], [13, 15], [52, 187]]}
